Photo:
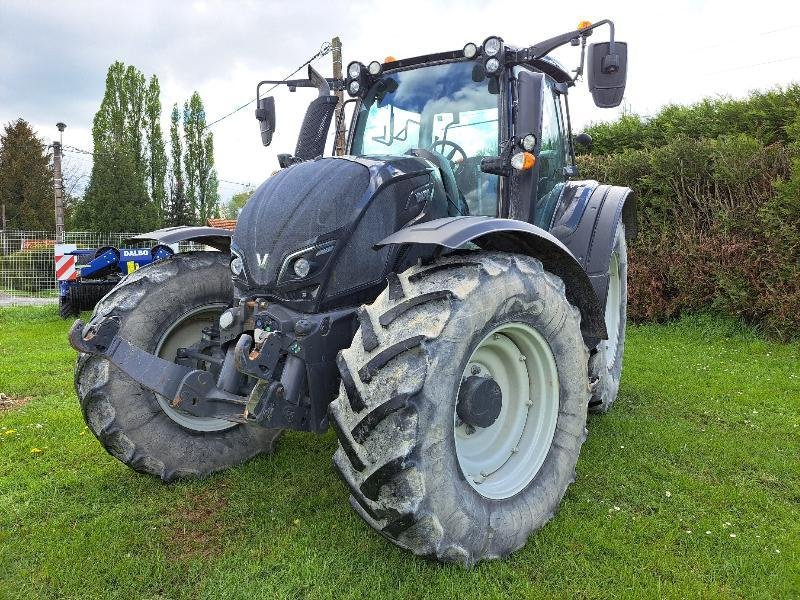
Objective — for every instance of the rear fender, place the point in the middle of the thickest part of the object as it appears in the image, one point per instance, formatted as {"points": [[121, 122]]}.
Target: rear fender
{"points": [[509, 235], [586, 222]]}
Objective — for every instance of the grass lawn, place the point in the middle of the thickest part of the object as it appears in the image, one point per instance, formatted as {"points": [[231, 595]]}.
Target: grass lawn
{"points": [[690, 487]]}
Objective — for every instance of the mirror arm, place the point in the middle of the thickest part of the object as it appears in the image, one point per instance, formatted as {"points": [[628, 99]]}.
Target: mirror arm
{"points": [[337, 85], [544, 48]]}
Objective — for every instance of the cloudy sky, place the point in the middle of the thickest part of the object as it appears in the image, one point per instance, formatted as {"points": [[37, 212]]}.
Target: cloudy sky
{"points": [[54, 55]]}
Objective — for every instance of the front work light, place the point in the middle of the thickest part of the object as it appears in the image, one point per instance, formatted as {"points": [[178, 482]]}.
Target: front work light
{"points": [[375, 68], [354, 88], [470, 50], [528, 142], [354, 70], [492, 46], [492, 66]]}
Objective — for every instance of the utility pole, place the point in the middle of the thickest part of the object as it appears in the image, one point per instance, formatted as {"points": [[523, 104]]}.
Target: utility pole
{"points": [[58, 185], [339, 142]]}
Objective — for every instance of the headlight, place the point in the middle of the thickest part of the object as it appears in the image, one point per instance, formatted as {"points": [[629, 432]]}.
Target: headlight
{"points": [[301, 267], [353, 88], [470, 50], [237, 266], [491, 47], [375, 68], [492, 66], [354, 70]]}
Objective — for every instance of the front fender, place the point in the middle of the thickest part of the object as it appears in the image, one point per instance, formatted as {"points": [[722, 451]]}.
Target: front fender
{"points": [[509, 235], [217, 238]]}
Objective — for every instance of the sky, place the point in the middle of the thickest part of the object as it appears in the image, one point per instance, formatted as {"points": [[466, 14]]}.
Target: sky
{"points": [[54, 56]]}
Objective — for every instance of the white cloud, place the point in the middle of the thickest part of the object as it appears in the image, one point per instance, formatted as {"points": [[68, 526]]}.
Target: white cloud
{"points": [[53, 56]]}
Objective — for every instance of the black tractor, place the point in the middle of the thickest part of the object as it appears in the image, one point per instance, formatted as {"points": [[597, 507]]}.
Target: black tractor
{"points": [[447, 295]]}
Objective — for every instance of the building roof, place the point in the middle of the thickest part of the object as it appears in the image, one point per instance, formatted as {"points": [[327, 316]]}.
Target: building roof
{"points": [[229, 224]]}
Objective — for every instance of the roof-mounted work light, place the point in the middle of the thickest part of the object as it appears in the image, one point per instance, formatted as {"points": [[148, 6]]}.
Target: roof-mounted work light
{"points": [[356, 82], [493, 55]]}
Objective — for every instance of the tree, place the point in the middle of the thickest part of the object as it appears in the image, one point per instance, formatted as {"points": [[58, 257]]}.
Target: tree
{"points": [[26, 179], [180, 212], [201, 178], [230, 209], [122, 195], [157, 158]]}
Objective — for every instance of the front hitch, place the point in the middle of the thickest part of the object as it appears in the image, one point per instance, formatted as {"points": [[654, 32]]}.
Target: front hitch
{"points": [[185, 388]]}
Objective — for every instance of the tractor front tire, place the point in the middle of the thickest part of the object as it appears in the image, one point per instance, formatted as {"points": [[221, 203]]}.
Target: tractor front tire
{"points": [[160, 307], [453, 489]]}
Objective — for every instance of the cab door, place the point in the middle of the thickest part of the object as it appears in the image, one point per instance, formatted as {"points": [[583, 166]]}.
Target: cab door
{"points": [[552, 158]]}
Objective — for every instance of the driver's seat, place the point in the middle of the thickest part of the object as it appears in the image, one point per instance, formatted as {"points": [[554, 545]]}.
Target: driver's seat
{"points": [[458, 204]]}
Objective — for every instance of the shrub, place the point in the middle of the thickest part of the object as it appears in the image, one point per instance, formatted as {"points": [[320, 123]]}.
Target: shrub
{"points": [[719, 227]]}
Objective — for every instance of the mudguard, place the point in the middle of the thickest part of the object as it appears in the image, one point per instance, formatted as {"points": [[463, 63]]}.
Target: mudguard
{"points": [[586, 221], [509, 235], [215, 237]]}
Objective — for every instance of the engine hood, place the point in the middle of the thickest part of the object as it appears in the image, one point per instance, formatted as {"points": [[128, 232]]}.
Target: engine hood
{"points": [[292, 209], [330, 212]]}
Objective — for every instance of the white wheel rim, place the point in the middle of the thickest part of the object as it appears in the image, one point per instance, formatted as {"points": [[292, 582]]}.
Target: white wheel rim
{"points": [[612, 310], [500, 461], [185, 332]]}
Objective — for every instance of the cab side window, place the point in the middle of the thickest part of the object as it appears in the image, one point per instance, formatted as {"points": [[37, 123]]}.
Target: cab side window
{"points": [[552, 157]]}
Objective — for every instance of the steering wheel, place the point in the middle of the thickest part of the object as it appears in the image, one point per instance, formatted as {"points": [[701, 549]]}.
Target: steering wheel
{"points": [[456, 149]]}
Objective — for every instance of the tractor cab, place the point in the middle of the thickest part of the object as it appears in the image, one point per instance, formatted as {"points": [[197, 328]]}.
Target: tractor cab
{"points": [[492, 118]]}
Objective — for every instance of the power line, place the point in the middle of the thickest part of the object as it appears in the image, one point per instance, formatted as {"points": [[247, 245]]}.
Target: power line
{"points": [[324, 49], [81, 151], [246, 185], [766, 62]]}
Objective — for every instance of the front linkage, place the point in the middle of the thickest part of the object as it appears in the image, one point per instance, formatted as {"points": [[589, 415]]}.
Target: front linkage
{"points": [[281, 377]]}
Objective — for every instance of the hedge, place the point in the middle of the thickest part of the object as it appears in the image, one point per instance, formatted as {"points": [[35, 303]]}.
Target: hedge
{"points": [[719, 212]]}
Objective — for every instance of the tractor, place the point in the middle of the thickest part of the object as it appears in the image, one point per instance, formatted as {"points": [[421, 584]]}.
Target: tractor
{"points": [[447, 295]]}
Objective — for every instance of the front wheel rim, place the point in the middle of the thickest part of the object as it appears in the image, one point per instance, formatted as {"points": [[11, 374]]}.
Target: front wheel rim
{"points": [[500, 461], [184, 332]]}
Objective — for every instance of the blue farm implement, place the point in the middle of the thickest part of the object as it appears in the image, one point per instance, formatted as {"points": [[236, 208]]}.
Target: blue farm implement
{"points": [[98, 271]]}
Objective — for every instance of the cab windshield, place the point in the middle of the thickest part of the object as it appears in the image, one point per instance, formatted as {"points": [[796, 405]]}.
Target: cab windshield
{"points": [[442, 110]]}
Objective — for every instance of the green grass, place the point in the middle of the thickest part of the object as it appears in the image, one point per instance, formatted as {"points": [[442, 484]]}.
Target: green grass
{"points": [[704, 438]]}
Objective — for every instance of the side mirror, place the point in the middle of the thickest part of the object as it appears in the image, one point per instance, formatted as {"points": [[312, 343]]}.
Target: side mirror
{"points": [[607, 70], [265, 113], [584, 139]]}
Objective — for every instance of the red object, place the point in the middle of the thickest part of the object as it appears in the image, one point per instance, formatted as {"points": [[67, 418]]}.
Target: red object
{"points": [[65, 267]]}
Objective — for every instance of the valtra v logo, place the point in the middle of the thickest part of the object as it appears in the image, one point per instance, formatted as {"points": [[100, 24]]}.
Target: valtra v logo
{"points": [[262, 260]]}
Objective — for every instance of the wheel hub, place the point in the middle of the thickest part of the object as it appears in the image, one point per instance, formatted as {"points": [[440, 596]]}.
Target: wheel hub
{"points": [[479, 401]]}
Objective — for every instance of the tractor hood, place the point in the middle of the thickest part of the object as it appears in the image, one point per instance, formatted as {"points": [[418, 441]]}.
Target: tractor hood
{"points": [[306, 234]]}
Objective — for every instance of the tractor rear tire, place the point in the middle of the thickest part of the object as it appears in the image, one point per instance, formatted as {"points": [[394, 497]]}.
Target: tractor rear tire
{"points": [[131, 422], [403, 449], [605, 364]]}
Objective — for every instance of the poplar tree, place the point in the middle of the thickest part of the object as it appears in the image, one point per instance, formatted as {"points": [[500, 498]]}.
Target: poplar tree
{"points": [[126, 188], [180, 212], [201, 177]]}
